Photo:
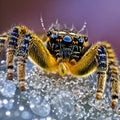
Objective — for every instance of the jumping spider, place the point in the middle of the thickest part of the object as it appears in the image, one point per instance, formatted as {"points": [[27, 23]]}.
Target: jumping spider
{"points": [[63, 51]]}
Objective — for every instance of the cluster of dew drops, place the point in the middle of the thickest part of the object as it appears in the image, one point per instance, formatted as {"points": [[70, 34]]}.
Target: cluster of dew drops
{"points": [[49, 96]]}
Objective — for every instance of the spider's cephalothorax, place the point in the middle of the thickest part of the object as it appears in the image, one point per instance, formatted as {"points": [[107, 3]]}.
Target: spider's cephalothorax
{"points": [[66, 46], [65, 52]]}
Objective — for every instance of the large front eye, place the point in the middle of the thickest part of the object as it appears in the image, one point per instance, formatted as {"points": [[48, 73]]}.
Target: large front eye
{"points": [[67, 38]]}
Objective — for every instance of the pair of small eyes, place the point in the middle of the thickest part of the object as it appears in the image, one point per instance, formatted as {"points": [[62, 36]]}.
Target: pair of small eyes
{"points": [[67, 38]]}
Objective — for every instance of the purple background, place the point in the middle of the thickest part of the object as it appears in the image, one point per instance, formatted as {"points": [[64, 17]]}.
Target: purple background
{"points": [[102, 16]]}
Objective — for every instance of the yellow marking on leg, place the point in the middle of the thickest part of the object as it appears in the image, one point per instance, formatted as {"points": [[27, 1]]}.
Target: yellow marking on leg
{"points": [[22, 85], [10, 74], [21, 73], [10, 62], [100, 84]]}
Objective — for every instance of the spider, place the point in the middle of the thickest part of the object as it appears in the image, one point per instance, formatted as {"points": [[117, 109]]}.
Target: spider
{"points": [[64, 51]]}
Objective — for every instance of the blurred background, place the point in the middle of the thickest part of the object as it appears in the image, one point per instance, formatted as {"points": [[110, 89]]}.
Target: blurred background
{"points": [[102, 16], [103, 23]]}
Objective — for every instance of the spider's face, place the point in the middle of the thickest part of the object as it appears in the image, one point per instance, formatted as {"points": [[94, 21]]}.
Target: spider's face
{"points": [[66, 43]]}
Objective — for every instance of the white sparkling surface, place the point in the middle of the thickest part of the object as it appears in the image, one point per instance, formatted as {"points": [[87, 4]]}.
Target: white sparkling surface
{"points": [[8, 89], [1, 104], [8, 104], [51, 97], [42, 109], [26, 115]]}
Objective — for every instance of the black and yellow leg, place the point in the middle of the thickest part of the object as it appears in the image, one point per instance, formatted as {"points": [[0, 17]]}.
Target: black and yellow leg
{"points": [[38, 52], [40, 55], [21, 70], [102, 61], [113, 74], [4, 39], [10, 62], [114, 77], [22, 55], [10, 52], [94, 59], [89, 63], [33, 46]]}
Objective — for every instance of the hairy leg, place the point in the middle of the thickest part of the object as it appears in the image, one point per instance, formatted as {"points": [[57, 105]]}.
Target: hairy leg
{"points": [[98, 57], [22, 42]]}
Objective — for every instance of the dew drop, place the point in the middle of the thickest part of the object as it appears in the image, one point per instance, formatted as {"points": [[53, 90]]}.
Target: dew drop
{"points": [[9, 89], [42, 109], [26, 115], [8, 104], [8, 113], [21, 108]]}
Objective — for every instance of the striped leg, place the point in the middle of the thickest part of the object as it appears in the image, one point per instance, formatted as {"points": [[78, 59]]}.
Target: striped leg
{"points": [[101, 71], [113, 73], [22, 55], [12, 44], [114, 76]]}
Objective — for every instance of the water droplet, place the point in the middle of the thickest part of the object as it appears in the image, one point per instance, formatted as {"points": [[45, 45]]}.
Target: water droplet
{"points": [[21, 108], [49, 118], [35, 98], [5, 101], [42, 109], [64, 104], [26, 115], [46, 86], [8, 113], [2, 75], [9, 89], [8, 104], [1, 104], [16, 113]]}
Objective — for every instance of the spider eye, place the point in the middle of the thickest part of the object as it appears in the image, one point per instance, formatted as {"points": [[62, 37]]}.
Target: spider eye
{"points": [[67, 38], [80, 40], [85, 38], [49, 33], [54, 36]]}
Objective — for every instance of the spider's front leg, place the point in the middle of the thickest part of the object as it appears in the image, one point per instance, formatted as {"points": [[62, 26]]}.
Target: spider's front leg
{"points": [[98, 58], [22, 55], [33, 47], [10, 40], [23, 43]]}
